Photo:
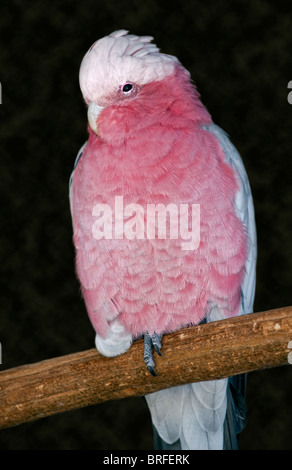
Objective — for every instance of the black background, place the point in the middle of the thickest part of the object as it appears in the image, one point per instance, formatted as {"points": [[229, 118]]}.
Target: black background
{"points": [[239, 55]]}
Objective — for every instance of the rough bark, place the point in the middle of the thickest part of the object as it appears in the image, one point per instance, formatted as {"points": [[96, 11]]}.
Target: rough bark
{"points": [[210, 351]]}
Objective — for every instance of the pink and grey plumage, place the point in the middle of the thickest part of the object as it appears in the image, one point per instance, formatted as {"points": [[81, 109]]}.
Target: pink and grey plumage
{"points": [[152, 141]]}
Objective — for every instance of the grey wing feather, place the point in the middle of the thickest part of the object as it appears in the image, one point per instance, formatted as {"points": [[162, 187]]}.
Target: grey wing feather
{"points": [[183, 419], [79, 155], [209, 415], [245, 211]]}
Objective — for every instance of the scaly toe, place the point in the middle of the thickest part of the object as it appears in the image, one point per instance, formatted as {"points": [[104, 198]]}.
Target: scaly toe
{"points": [[149, 343]]}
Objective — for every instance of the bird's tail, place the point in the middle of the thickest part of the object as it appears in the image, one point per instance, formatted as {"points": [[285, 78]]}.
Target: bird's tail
{"points": [[235, 419], [204, 415]]}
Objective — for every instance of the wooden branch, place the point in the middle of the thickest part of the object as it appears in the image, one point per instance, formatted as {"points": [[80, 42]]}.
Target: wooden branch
{"points": [[211, 351]]}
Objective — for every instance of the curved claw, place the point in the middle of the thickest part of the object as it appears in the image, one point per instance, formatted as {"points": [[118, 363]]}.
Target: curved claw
{"points": [[149, 342]]}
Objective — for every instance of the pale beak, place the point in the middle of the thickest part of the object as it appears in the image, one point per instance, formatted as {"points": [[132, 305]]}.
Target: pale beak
{"points": [[92, 113]]}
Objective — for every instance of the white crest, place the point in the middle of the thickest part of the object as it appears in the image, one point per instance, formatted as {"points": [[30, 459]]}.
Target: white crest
{"points": [[120, 58]]}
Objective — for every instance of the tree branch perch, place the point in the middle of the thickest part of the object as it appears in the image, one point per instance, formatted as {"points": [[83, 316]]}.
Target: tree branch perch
{"points": [[210, 351]]}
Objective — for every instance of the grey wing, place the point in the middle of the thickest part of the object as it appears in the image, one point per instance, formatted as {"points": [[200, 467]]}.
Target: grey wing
{"points": [[79, 155], [245, 211]]}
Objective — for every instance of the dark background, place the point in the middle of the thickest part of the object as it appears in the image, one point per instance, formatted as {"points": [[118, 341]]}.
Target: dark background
{"points": [[239, 55]]}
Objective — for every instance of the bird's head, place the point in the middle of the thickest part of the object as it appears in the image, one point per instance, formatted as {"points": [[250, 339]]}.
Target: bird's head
{"points": [[120, 79]]}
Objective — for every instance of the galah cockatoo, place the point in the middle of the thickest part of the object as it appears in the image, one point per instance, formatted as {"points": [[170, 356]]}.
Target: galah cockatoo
{"points": [[152, 144]]}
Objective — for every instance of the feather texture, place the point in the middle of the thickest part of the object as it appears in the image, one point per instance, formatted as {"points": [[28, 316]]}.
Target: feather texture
{"points": [[203, 423], [153, 143], [192, 414]]}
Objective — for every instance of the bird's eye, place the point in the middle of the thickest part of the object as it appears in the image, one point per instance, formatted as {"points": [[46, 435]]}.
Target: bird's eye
{"points": [[127, 87]]}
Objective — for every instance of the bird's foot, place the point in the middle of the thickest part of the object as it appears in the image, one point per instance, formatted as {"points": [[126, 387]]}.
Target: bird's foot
{"points": [[150, 342]]}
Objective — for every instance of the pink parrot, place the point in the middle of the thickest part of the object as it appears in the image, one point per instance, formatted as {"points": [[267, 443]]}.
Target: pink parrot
{"points": [[152, 144]]}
